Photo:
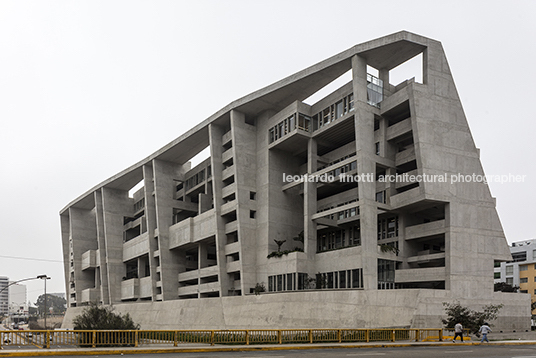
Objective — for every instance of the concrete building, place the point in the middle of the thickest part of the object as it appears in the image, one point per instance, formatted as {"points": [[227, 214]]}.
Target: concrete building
{"points": [[18, 300], [4, 296], [354, 211]]}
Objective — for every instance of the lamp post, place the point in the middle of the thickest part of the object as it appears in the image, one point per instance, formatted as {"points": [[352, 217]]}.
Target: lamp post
{"points": [[45, 277]]}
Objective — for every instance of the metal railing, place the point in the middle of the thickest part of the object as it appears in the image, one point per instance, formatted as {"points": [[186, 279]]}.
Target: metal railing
{"points": [[136, 338]]}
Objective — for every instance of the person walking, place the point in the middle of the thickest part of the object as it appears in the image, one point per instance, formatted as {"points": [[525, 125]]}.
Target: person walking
{"points": [[458, 332], [484, 330]]}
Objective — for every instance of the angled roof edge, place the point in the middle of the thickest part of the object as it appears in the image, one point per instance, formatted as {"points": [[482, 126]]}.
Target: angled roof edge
{"points": [[360, 49]]}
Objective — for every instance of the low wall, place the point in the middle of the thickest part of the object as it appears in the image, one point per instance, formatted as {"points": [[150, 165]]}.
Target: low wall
{"points": [[316, 309]]}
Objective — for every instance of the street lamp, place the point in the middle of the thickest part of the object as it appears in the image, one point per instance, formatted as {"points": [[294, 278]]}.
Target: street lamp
{"points": [[45, 277]]}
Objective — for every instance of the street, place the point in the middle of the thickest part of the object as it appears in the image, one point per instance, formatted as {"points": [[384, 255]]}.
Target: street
{"points": [[456, 351]]}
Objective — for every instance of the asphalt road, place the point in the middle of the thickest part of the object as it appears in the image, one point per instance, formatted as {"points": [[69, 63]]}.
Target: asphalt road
{"points": [[456, 351]]}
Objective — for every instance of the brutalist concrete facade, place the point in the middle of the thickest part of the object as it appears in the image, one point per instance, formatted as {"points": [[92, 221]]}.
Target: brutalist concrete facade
{"points": [[353, 212]]}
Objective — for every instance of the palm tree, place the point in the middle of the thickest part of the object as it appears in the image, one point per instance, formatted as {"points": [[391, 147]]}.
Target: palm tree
{"points": [[279, 244]]}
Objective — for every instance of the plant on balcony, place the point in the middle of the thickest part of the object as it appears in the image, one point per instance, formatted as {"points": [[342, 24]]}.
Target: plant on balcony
{"points": [[259, 288], [388, 248]]}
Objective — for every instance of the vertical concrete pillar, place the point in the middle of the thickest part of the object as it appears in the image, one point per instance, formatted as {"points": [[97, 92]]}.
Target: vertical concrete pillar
{"points": [[202, 254], [310, 206], [215, 135], [103, 272], [116, 205], [366, 164], [244, 137]]}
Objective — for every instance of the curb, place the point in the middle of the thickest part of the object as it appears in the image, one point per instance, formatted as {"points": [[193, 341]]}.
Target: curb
{"points": [[107, 351]]}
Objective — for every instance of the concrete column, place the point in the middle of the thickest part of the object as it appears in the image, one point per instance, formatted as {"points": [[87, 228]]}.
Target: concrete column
{"points": [[202, 255], [366, 164], [215, 136], [244, 137], [103, 272], [116, 205], [310, 206]]}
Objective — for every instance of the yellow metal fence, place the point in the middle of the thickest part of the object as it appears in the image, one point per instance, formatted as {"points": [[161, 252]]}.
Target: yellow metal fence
{"points": [[104, 338]]}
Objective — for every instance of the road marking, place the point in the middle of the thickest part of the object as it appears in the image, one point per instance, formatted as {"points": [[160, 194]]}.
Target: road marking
{"points": [[525, 357], [456, 352], [365, 354]]}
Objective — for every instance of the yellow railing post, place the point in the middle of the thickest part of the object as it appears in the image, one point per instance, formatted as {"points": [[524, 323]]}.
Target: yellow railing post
{"points": [[94, 339], [175, 338], [212, 338], [47, 336], [136, 337], [247, 337], [310, 336], [440, 335], [368, 335], [417, 334], [393, 335], [339, 335], [279, 336]]}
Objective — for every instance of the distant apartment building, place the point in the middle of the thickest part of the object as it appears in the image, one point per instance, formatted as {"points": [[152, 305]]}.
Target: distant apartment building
{"points": [[521, 271], [4, 295], [18, 298], [294, 198]]}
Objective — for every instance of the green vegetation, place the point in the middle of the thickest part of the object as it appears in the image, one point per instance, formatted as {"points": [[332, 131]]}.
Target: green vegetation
{"points": [[470, 319], [96, 317]]}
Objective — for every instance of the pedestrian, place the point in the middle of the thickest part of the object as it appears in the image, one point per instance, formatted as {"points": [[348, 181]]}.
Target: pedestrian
{"points": [[458, 332], [484, 330]]}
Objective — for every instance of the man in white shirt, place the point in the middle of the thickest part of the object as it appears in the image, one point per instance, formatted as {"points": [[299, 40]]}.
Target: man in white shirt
{"points": [[458, 332]]}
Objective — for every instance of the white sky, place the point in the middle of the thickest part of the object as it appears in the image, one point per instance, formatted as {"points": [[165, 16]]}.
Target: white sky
{"points": [[88, 88]]}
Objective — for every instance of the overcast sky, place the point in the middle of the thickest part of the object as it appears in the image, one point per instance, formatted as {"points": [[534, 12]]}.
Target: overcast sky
{"points": [[88, 88]]}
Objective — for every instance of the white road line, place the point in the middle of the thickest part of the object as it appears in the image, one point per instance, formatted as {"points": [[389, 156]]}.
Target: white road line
{"points": [[364, 354], [456, 352], [525, 357]]}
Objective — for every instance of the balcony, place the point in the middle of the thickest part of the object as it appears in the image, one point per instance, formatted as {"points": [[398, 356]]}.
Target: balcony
{"points": [[405, 156], [89, 260], [146, 287], [424, 230], [228, 154], [426, 256], [228, 190], [188, 290], [192, 229], [406, 198], [233, 266], [90, 295], [209, 287], [136, 247], [232, 248], [399, 129], [130, 289], [231, 227], [420, 275], [228, 207], [226, 138], [227, 172]]}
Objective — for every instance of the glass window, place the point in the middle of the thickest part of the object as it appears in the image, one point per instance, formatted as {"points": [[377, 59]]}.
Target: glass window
{"points": [[510, 280], [523, 280], [496, 275], [497, 264], [523, 268], [342, 279], [510, 270]]}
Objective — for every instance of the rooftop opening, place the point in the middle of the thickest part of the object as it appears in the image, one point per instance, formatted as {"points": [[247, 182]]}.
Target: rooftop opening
{"points": [[409, 69], [135, 188], [329, 88], [200, 157]]}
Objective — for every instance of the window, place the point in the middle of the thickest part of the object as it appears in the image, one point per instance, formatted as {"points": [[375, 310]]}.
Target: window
{"points": [[252, 214], [523, 268], [523, 291], [377, 148], [380, 197], [523, 280], [509, 270], [510, 281], [497, 264], [534, 254], [519, 256], [497, 275], [252, 195]]}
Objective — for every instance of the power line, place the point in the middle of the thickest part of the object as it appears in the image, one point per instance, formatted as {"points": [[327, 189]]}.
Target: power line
{"points": [[29, 258]]}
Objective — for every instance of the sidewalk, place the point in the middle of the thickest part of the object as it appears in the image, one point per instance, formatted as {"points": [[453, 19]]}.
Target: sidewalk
{"points": [[198, 348]]}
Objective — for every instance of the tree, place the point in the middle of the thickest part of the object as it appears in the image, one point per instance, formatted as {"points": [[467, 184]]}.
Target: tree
{"points": [[470, 319], [97, 317], [504, 287], [55, 304], [279, 244]]}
